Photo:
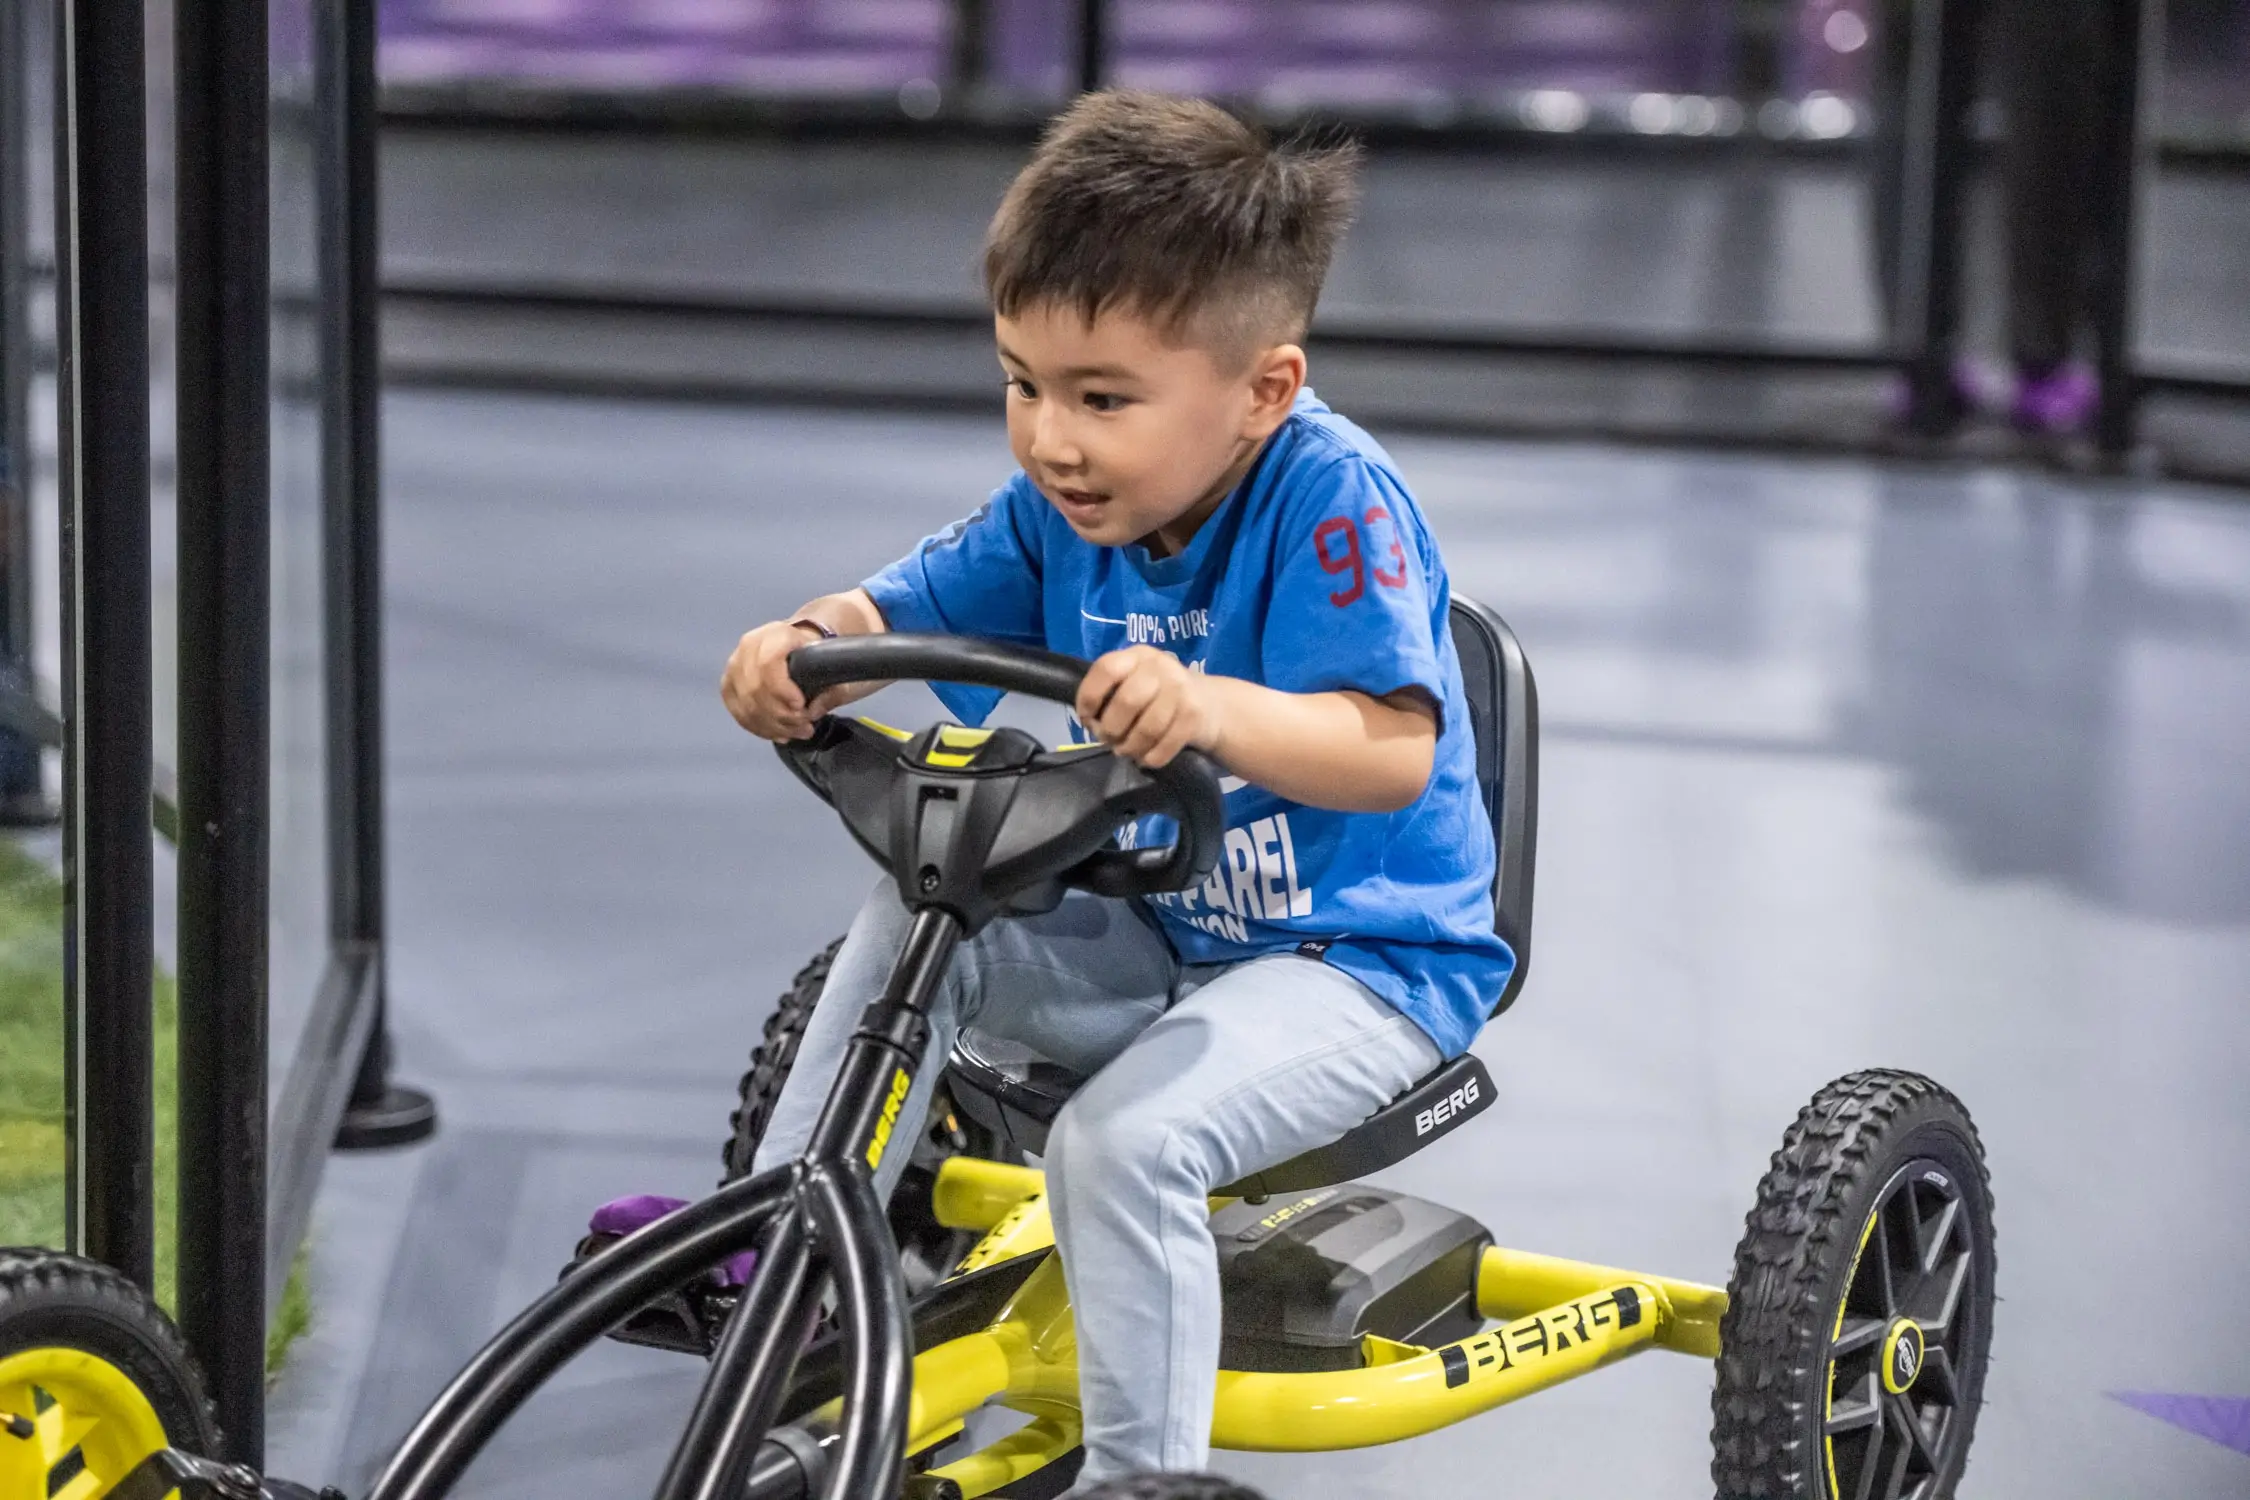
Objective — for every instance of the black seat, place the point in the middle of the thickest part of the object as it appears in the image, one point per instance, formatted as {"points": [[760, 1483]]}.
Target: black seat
{"points": [[1014, 1091]]}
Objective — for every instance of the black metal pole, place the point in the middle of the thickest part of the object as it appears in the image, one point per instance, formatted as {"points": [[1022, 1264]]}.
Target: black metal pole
{"points": [[1933, 190], [2124, 167], [1761, 26], [856, 1238], [224, 310], [101, 313], [767, 1329], [750, 1368], [968, 43], [1093, 44], [23, 796], [380, 1113]]}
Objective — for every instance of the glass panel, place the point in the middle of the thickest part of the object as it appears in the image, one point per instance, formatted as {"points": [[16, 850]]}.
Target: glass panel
{"points": [[298, 936], [164, 605], [32, 1152]]}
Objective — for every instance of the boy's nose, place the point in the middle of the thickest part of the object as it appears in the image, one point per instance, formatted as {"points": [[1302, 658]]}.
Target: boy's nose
{"points": [[1051, 442]]}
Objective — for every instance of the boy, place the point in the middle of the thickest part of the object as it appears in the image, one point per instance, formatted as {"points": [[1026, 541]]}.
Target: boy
{"points": [[1249, 576]]}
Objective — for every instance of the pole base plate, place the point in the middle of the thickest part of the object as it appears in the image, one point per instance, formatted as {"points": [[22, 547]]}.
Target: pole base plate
{"points": [[400, 1117]]}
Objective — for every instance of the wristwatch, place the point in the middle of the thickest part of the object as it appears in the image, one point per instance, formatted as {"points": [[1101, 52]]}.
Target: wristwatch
{"points": [[825, 633]]}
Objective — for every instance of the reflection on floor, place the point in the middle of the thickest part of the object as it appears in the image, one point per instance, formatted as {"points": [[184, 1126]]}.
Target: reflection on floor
{"points": [[1843, 765]]}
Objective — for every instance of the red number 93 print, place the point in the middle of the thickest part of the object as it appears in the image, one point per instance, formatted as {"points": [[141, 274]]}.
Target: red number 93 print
{"points": [[1336, 543]]}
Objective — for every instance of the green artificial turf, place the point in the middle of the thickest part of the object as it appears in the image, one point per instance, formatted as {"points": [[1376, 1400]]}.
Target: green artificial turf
{"points": [[292, 1319], [31, 1051], [31, 1089]]}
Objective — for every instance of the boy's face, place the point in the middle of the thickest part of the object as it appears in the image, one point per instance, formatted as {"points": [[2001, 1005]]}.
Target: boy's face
{"points": [[1129, 433]]}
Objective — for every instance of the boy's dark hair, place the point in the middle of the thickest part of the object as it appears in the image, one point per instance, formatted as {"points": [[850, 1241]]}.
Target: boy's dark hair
{"points": [[1171, 1487], [1174, 210]]}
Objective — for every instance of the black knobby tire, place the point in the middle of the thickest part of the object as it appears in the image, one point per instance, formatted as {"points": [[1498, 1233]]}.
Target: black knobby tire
{"points": [[760, 1088], [928, 1249], [49, 1300], [1875, 1213]]}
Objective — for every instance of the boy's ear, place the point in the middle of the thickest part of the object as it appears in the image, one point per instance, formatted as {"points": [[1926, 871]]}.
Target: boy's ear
{"points": [[1276, 375]]}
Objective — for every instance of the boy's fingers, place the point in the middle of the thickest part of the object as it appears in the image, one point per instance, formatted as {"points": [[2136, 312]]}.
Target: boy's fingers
{"points": [[1150, 729], [1174, 740], [1094, 691], [1129, 702], [782, 688], [1110, 675]]}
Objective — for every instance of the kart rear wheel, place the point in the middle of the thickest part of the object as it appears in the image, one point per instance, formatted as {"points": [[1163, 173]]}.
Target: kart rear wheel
{"points": [[93, 1378], [927, 1248], [1859, 1315]]}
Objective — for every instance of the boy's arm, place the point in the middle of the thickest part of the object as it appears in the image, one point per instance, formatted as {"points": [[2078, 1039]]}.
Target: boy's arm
{"points": [[848, 613], [1344, 750], [756, 685]]}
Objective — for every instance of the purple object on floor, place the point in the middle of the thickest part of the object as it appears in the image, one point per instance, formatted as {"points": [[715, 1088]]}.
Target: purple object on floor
{"points": [[2059, 402], [2225, 1420], [625, 1215]]}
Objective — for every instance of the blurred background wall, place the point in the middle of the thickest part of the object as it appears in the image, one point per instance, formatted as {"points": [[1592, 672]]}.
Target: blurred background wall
{"points": [[1601, 217]]}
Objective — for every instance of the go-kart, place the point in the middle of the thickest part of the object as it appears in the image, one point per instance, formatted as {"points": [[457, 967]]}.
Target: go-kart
{"points": [[1850, 1342]]}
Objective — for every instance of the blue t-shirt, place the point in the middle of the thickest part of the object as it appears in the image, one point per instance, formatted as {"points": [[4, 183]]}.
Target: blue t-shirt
{"points": [[1316, 574]]}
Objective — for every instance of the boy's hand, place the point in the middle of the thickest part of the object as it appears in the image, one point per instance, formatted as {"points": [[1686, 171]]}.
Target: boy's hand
{"points": [[1147, 706], [757, 688]]}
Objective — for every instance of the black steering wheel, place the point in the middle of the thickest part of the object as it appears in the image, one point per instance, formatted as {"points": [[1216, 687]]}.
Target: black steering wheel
{"points": [[1013, 821]]}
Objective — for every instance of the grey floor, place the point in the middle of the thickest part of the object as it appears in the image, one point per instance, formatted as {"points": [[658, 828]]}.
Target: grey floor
{"points": [[1844, 765]]}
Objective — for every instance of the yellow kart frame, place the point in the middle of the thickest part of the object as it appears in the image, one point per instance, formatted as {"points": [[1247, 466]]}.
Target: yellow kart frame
{"points": [[1557, 1319]]}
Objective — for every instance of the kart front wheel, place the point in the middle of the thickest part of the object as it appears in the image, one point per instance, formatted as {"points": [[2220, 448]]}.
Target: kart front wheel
{"points": [[93, 1378], [1859, 1315]]}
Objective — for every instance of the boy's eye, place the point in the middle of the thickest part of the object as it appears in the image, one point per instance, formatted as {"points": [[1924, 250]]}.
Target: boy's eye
{"points": [[1023, 388], [1101, 401]]}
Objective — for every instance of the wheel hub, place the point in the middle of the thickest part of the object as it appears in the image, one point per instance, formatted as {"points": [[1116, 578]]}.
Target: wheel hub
{"points": [[1893, 1358], [73, 1424], [1903, 1351]]}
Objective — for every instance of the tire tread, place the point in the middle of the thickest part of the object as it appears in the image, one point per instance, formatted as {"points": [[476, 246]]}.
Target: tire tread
{"points": [[49, 1292], [770, 1061]]}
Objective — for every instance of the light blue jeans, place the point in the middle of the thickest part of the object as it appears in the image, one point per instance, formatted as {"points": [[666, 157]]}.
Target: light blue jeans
{"points": [[1202, 1075]]}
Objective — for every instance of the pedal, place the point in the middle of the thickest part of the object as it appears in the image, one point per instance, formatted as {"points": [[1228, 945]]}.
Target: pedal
{"points": [[685, 1320], [929, 1487]]}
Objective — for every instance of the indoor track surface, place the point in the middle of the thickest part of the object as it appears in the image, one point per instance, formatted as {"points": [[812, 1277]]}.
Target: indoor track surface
{"points": [[1843, 765]]}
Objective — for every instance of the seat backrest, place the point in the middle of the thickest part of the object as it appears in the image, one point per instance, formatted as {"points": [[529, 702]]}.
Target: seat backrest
{"points": [[1504, 717]]}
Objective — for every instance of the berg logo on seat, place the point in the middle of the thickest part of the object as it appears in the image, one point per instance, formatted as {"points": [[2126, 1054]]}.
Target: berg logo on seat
{"points": [[1452, 1106]]}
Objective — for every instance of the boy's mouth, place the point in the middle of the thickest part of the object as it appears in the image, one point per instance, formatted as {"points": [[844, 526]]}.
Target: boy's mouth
{"points": [[1084, 504]]}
